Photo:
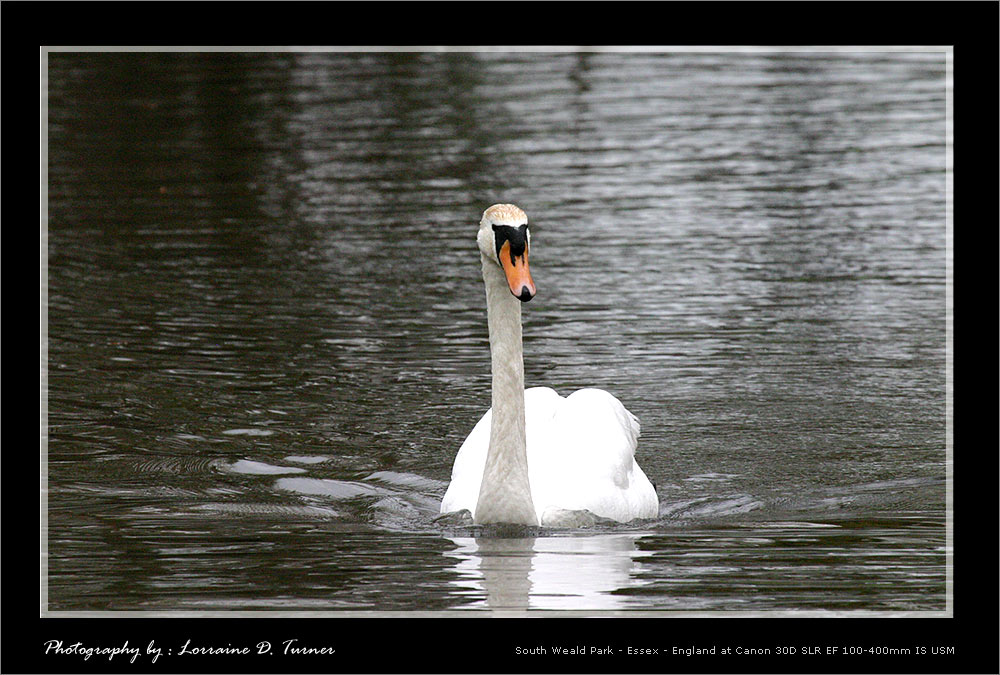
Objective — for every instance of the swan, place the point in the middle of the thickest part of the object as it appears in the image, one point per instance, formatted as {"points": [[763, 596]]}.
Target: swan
{"points": [[535, 457]]}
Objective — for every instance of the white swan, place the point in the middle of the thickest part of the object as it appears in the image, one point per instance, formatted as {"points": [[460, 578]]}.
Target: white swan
{"points": [[535, 457]]}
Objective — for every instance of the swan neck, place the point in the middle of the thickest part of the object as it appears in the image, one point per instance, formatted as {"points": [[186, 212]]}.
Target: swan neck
{"points": [[505, 493]]}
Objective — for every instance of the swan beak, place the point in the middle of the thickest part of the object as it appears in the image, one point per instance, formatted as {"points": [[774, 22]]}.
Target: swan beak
{"points": [[518, 275]]}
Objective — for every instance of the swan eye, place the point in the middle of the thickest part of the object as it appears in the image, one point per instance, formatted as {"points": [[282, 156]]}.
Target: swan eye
{"points": [[518, 237]]}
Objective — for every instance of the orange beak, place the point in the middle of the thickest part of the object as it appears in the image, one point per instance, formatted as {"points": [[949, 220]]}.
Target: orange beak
{"points": [[518, 275]]}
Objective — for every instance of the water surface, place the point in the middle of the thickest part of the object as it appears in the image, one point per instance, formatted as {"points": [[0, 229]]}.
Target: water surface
{"points": [[267, 335]]}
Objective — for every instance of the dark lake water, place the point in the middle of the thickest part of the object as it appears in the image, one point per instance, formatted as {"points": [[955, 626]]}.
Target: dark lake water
{"points": [[267, 331]]}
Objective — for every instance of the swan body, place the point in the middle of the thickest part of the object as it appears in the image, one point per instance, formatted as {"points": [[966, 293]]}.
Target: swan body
{"points": [[580, 453], [536, 456]]}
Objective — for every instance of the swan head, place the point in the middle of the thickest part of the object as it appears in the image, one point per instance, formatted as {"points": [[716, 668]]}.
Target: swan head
{"points": [[505, 240]]}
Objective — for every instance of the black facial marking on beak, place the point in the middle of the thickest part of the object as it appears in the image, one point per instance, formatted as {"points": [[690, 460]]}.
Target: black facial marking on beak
{"points": [[526, 294], [517, 236]]}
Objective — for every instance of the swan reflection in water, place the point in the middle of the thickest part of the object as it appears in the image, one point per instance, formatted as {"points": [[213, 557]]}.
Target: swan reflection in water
{"points": [[559, 572]]}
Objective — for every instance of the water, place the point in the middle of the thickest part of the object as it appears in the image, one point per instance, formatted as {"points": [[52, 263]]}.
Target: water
{"points": [[267, 336]]}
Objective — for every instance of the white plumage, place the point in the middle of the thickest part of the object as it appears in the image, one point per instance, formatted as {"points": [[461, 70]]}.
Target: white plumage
{"points": [[581, 456]]}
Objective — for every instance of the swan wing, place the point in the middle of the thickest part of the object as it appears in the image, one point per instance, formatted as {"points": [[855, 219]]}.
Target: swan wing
{"points": [[583, 457], [467, 472]]}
